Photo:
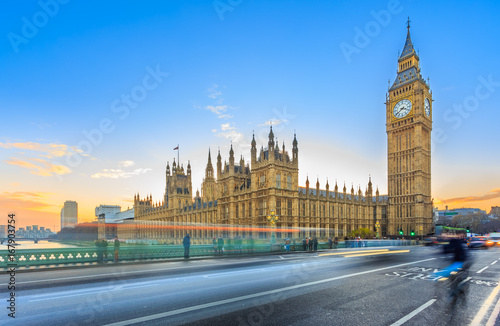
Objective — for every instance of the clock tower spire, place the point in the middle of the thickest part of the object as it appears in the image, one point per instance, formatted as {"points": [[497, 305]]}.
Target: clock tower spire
{"points": [[408, 126]]}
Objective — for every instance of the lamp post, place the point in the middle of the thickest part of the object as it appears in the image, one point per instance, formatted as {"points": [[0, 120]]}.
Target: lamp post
{"points": [[272, 218]]}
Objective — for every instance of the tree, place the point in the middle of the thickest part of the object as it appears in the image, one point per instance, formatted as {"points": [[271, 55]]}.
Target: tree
{"points": [[363, 233]]}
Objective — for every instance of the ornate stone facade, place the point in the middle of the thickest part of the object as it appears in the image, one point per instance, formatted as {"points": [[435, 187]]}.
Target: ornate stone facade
{"points": [[237, 201], [409, 125]]}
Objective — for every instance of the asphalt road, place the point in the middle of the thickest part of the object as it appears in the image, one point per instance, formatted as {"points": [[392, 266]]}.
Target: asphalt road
{"points": [[336, 287]]}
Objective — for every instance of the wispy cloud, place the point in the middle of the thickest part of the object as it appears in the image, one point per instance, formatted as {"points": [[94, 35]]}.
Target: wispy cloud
{"points": [[226, 126], [46, 150], [273, 122], [493, 194], [126, 164], [118, 173], [217, 109], [35, 201], [214, 92], [39, 166]]}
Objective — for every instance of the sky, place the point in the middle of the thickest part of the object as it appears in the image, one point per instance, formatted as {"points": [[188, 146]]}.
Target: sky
{"points": [[95, 96]]}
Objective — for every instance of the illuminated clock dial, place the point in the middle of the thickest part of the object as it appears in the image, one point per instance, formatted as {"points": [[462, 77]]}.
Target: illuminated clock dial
{"points": [[402, 108], [427, 107]]}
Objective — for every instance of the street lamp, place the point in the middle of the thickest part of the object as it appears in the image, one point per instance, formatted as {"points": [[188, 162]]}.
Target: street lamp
{"points": [[272, 218]]}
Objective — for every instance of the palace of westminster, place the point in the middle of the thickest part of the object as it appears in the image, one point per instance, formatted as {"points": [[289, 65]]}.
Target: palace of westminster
{"points": [[239, 198]]}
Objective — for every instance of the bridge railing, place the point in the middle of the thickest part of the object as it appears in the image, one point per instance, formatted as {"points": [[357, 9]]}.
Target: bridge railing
{"points": [[90, 255], [87, 255]]}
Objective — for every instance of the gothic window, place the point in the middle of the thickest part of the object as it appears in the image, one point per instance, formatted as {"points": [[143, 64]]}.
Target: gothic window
{"points": [[314, 209], [278, 207], [237, 211], [303, 213], [242, 210], [262, 179], [289, 207], [278, 181], [226, 215], [262, 207], [250, 209], [289, 182]]}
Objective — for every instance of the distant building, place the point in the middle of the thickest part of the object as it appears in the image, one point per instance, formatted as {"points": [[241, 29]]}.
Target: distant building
{"points": [[110, 217], [448, 214], [69, 214], [3, 231], [495, 210], [33, 232]]}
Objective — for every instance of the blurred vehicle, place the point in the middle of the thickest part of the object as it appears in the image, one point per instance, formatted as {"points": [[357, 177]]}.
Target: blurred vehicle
{"points": [[495, 240], [430, 241], [479, 242]]}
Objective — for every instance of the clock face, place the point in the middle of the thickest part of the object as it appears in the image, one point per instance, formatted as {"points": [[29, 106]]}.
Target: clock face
{"points": [[402, 108], [427, 107]]}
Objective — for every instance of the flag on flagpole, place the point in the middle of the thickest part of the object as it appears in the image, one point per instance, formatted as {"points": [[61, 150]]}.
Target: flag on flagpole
{"points": [[176, 148]]}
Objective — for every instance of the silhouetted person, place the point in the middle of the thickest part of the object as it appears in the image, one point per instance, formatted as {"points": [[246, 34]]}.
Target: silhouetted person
{"points": [[220, 245], [186, 242]]}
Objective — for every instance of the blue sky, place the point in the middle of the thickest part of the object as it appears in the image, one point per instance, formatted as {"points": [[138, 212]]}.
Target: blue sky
{"points": [[216, 71]]}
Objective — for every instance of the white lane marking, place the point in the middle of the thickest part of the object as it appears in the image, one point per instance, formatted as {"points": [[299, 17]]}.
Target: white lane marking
{"points": [[485, 307], [493, 263], [126, 287], [282, 257], [413, 313], [482, 269], [109, 274], [251, 296]]}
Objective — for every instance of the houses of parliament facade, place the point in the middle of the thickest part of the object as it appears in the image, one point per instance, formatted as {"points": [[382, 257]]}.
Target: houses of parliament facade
{"points": [[237, 201]]}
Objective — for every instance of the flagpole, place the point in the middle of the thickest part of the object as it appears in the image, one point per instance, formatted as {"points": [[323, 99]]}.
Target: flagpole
{"points": [[178, 161]]}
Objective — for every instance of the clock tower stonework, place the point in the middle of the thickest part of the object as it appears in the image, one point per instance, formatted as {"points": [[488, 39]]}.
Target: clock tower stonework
{"points": [[408, 126]]}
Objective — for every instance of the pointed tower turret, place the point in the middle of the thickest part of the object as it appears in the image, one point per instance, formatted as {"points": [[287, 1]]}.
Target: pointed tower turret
{"points": [[295, 151], [307, 185], [219, 165], [231, 159], [189, 168], [253, 152], [270, 144]]}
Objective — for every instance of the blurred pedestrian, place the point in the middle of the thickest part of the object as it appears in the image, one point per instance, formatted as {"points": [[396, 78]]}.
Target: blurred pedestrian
{"points": [[310, 242], [287, 245], [105, 249], [186, 242], [330, 243], [214, 244], [304, 244], [315, 244], [99, 250], [220, 245], [117, 248]]}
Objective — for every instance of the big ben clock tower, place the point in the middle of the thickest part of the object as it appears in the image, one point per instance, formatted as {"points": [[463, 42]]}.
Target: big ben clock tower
{"points": [[408, 126]]}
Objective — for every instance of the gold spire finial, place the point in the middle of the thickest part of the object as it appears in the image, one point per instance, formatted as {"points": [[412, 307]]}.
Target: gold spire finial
{"points": [[408, 24]]}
